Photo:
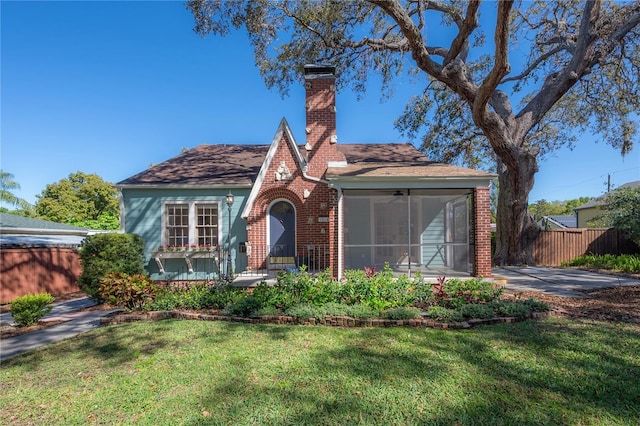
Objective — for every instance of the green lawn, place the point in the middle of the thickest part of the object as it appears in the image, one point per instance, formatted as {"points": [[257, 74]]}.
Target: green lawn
{"points": [[553, 371]]}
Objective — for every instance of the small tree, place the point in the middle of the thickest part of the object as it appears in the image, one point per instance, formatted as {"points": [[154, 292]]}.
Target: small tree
{"points": [[101, 254], [622, 211]]}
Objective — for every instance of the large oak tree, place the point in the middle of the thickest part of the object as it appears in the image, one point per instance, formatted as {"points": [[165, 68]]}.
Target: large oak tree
{"points": [[577, 69]]}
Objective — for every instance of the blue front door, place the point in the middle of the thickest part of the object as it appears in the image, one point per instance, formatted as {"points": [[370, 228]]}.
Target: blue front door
{"points": [[282, 234]]}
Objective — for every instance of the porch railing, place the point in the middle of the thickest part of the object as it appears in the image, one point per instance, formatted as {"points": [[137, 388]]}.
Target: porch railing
{"points": [[270, 259]]}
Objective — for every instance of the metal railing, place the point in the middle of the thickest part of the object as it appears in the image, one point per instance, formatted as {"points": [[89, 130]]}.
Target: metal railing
{"points": [[269, 260]]}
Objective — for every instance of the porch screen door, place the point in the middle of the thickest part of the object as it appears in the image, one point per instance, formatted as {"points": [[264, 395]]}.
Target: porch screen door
{"points": [[282, 233]]}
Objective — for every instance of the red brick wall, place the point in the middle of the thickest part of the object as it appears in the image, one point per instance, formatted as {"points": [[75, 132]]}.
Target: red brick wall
{"points": [[319, 203], [482, 232], [38, 270]]}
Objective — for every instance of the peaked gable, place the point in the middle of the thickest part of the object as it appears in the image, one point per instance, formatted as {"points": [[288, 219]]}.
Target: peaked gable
{"points": [[283, 133]]}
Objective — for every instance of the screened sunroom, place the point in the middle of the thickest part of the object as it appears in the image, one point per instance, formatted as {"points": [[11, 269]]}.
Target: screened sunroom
{"points": [[425, 230]]}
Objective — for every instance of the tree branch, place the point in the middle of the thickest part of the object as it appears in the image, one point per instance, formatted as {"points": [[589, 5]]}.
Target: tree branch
{"points": [[534, 65], [414, 38], [501, 62], [469, 24]]}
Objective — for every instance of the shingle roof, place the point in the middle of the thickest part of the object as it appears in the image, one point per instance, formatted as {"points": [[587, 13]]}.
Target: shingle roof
{"points": [[240, 164], [19, 231], [394, 160], [566, 221], [206, 165], [384, 152], [11, 221]]}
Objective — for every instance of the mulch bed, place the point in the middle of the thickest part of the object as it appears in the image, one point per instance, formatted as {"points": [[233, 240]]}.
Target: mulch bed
{"points": [[613, 304]]}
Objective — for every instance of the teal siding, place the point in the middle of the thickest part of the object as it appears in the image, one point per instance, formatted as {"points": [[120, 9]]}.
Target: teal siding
{"points": [[432, 233], [143, 215]]}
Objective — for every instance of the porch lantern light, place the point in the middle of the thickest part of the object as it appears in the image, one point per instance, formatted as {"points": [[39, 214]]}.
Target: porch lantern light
{"points": [[229, 202]]}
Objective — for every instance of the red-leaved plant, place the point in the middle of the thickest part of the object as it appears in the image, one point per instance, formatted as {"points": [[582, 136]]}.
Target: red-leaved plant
{"points": [[370, 271]]}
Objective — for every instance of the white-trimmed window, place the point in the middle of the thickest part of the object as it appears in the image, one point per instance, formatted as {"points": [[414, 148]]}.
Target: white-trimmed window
{"points": [[191, 224]]}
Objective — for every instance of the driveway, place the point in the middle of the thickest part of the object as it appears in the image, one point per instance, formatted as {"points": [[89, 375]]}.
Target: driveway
{"points": [[557, 281]]}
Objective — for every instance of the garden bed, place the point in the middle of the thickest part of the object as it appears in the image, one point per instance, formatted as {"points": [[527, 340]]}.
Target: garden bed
{"points": [[330, 321]]}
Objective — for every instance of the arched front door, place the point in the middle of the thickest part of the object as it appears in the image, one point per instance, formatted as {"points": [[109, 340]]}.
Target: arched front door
{"points": [[282, 235]]}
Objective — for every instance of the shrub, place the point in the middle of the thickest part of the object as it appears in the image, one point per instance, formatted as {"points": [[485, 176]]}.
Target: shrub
{"points": [[454, 293], [225, 295], [536, 305], [337, 309], [267, 310], [295, 287], [101, 254], [305, 311], [197, 296], [127, 291], [444, 314], [403, 313], [478, 311], [244, 307], [623, 263], [28, 309], [511, 309], [379, 291], [165, 300], [362, 311]]}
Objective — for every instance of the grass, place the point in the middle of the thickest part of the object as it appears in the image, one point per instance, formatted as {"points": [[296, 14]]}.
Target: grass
{"points": [[554, 371]]}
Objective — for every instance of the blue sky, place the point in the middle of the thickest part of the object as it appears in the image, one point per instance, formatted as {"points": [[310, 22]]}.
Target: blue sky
{"points": [[113, 87]]}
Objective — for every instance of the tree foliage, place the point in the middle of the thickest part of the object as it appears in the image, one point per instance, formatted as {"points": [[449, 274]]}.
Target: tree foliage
{"points": [[81, 199], [542, 208], [622, 211], [576, 68]]}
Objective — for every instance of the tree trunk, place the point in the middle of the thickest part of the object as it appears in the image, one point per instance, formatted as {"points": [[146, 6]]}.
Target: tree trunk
{"points": [[516, 230]]}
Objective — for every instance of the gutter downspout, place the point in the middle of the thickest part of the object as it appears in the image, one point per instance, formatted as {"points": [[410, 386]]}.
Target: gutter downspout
{"points": [[340, 228]]}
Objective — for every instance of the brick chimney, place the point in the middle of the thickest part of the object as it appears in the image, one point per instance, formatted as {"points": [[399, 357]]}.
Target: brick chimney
{"points": [[322, 139]]}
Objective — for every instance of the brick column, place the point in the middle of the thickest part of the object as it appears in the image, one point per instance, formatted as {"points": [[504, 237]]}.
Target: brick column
{"points": [[482, 232]]}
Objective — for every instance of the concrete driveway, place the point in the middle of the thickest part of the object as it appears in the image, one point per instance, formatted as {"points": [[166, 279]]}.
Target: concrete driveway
{"points": [[557, 281]]}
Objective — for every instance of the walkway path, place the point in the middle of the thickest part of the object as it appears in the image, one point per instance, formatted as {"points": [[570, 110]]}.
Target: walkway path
{"points": [[559, 282], [77, 322]]}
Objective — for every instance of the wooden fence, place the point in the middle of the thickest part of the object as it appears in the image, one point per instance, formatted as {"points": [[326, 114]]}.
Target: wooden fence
{"points": [[553, 247], [37, 270]]}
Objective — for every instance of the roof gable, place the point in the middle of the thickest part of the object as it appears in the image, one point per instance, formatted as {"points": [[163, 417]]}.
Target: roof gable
{"points": [[283, 132]]}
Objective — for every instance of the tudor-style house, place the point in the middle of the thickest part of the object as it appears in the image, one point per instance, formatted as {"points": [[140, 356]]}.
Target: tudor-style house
{"points": [[256, 209]]}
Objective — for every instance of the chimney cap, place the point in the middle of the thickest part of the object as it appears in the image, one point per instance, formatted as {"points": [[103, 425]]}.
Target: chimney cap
{"points": [[319, 70]]}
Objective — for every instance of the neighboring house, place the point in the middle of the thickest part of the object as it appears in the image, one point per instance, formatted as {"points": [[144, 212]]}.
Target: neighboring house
{"points": [[558, 222], [320, 203], [38, 256], [590, 210]]}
